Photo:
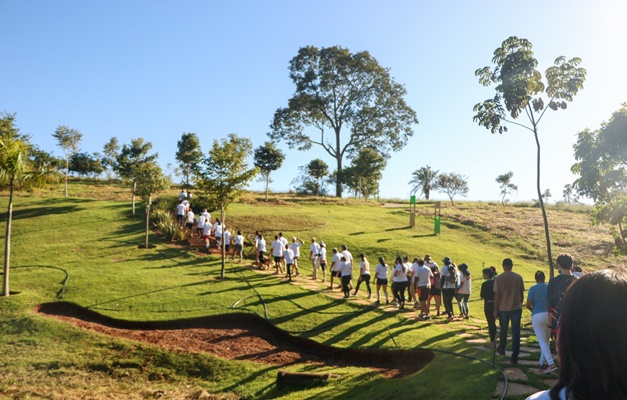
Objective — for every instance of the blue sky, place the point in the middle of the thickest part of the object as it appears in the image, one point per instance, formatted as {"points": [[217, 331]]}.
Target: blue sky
{"points": [[156, 69]]}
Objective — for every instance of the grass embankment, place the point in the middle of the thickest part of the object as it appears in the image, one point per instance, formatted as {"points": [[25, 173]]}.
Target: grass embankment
{"points": [[95, 244]]}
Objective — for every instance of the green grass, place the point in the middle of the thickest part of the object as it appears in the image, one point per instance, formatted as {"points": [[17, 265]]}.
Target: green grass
{"points": [[92, 245]]}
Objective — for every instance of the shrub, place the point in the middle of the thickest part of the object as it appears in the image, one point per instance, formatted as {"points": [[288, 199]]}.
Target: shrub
{"points": [[171, 231], [166, 203]]}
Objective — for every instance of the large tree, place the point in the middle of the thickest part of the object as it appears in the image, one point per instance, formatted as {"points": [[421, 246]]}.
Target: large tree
{"points": [[452, 184], [423, 180], [601, 157], [86, 164], [69, 140], [130, 158], [223, 174], [16, 173], [506, 186], [188, 154], [150, 180], [268, 158], [519, 91], [349, 94]]}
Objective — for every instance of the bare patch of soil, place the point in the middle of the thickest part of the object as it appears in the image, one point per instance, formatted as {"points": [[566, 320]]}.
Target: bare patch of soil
{"points": [[240, 336]]}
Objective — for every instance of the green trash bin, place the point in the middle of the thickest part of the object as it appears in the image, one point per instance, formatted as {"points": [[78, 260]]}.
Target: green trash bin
{"points": [[436, 225]]}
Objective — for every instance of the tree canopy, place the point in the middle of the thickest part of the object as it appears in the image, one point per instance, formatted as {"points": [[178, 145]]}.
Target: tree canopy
{"points": [[150, 180], [268, 158], [423, 180], [452, 184], [365, 172], [519, 89], [350, 95], [69, 140], [506, 185], [129, 160], [188, 153]]}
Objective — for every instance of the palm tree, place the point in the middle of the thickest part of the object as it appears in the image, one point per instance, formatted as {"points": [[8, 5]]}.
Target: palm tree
{"points": [[423, 181], [15, 174]]}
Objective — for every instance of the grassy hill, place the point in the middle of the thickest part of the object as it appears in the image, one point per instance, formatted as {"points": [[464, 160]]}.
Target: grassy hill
{"points": [[84, 250]]}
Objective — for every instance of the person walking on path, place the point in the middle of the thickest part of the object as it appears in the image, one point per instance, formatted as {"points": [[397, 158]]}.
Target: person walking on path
{"points": [[557, 287], [336, 259], [463, 294], [450, 284], [422, 278], [295, 246], [314, 250], [288, 255], [400, 282], [181, 209], [435, 292], [322, 258], [537, 303], [238, 246], [346, 269], [349, 259], [364, 275], [277, 252], [508, 298], [487, 295], [381, 276]]}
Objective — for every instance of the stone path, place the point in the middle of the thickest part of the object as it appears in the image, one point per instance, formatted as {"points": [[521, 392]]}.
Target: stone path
{"points": [[473, 331]]}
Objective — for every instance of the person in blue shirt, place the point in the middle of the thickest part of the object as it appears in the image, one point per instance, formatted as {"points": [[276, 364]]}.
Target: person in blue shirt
{"points": [[537, 302]]}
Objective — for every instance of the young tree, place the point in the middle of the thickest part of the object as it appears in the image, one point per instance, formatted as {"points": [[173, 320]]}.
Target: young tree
{"points": [[506, 186], [317, 169], [423, 180], [86, 164], [111, 151], [268, 158], [601, 157], [16, 173], [223, 174], [69, 140], [365, 171], [150, 180], [569, 194], [452, 184], [130, 159], [189, 154], [519, 88], [343, 92]]}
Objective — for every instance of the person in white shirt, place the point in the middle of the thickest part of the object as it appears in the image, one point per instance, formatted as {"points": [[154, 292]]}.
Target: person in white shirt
{"points": [[189, 221], [346, 269], [463, 293], [349, 259], [288, 255], [284, 242], [450, 283], [217, 232], [364, 274], [182, 195], [227, 241], [200, 225], [322, 259], [314, 250], [206, 232], [295, 246], [435, 292], [422, 279], [180, 214], [400, 282], [238, 246], [336, 259], [381, 276], [261, 248], [277, 252], [206, 214]]}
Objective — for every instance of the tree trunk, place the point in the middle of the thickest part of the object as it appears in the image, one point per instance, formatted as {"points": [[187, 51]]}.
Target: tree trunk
{"points": [[222, 244], [7, 244], [134, 189], [67, 172], [148, 219], [187, 177], [622, 234], [541, 200], [267, 184], [338, 157]]}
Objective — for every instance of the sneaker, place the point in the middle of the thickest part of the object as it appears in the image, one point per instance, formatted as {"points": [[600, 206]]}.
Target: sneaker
{"points": [[500, 352], [514, 360], [549, 369], [377, 302], [438, 314], [369, 296], [449, 319], [387, 302], [424, 318]]}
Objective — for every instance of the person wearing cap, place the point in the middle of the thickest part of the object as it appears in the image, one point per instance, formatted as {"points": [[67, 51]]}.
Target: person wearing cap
{"points": [[295, 246], [336, 259], [450, 284], [314, 250], [322, 258], [436, 284], [346, 269], [364, 274]]}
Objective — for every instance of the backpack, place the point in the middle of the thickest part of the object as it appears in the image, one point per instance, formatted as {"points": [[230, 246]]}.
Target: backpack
{"points": [[452, 274], [437, 280]]}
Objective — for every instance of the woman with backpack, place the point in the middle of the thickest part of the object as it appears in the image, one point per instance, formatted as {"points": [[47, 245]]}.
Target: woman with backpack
{"points": [[436, 284], [400, 282], [450, 284], [463, 294]]}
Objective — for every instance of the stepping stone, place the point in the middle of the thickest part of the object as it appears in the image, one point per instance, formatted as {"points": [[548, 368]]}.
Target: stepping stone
{"points": [[550, 382], [471, 327], [483, 348], [527, 362], [529, 349], [476, 341], [515, 388], [508, 354], [537, 371], [514, 373], [466, 335]]}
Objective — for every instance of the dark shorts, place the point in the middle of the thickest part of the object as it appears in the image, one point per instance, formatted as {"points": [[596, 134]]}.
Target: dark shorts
{"points": [[278, 259], [383, 281], [337, 273], [226, 247], [189, 225], [435, 292], [424, 293], [237, 247], [323, 266]]}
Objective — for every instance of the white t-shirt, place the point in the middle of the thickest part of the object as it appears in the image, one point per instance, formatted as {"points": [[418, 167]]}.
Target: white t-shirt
{"points": [[217, 230], [336, 260], [408, 269], [323, 255], [206, 215], [227, 237], [238, 239], [381, 271], [544, 395], [289, 256], [314, 249], [414, 270], [180, 209], [465, 283], [205, 229], [261, 245], [296, 248], [348, 255], [283, 241], [346, 268], [399, 274], [277, 248], [190, 217], [423, 275], [200, 222], [364, 268]]}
